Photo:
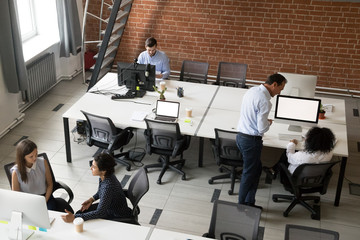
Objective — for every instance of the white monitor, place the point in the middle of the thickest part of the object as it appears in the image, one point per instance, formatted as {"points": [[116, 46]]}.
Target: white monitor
{"points": [[20, 208], [297, 111], [299, 85]]}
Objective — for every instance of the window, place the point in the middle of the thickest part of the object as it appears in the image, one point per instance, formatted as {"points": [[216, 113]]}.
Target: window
{"points": [[27, 19]]}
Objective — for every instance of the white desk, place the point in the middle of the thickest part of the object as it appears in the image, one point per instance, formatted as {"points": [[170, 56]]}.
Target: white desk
{"points": [[159, 234], [93, 229]]}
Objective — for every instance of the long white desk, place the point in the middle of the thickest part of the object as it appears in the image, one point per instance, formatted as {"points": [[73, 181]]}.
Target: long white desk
{"points": [[213, 107]]}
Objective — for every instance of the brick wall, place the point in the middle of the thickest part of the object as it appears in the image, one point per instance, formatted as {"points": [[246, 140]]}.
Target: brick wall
{"points": [[299, 36]]}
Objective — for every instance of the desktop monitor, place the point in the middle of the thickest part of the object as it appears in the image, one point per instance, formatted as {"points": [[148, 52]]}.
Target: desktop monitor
{"points": [[136, 76], [297, 111], [20, 208], [299, 85]]}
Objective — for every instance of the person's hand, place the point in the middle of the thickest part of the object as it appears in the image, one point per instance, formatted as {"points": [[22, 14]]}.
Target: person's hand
{"points": [[294, 141], [159, 75], [69, 217], [270, 121], [85, 205]]}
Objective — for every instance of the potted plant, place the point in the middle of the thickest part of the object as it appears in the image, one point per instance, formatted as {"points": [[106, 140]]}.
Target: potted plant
{"points": [[161, 92], [322, 112]]}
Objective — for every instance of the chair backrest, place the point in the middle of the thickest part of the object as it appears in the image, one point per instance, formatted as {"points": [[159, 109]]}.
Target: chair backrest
{"points": [[296, 232], [100, 129], [192, 71], [234, 221], [225, 145], [138, 186], [231, 74]]}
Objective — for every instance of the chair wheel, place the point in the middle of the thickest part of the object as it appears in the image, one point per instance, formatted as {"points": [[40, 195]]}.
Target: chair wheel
{"points": [[146, 170], [315, 216], [221, 170], [230, 192], [285, 214], [210, 181], [275, 199], [158, 181], [183, 178], [128, 168], [316, 200]]}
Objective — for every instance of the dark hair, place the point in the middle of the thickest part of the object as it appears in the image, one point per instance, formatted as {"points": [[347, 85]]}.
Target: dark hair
{"points": [[105, 162], [319, 139], [150, 42], [23, 148], [278, 78]]}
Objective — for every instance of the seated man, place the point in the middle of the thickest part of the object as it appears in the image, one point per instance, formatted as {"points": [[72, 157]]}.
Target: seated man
{"points": [[155, 57]]}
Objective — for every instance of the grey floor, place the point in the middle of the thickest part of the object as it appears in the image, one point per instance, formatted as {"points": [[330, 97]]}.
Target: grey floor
{"points": [[183, 206]]}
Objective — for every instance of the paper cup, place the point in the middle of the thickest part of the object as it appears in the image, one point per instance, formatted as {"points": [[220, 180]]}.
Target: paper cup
{"points": [[79, 224], [188, 112], [162, 85]]}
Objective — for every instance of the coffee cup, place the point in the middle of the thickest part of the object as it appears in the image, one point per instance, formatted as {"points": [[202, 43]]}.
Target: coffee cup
{"points": [[79, 224], [162, 85], [188, 112]]}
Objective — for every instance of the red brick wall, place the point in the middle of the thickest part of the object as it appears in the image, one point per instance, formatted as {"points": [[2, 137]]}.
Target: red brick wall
{"points": [[299, 36]]}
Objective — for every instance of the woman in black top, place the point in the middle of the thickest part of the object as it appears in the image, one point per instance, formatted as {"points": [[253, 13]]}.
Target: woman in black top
{"points": [[112, 202]]}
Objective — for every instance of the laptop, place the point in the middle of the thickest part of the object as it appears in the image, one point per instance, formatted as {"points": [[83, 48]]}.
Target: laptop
{"points": [[167, 111]]}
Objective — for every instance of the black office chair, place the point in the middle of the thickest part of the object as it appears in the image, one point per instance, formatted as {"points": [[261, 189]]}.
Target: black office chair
{"points": [[307, 178], [296, 232], [227, 153], [232, 221], [60, 202], [101, 132], [165, 139], [231, 74], [192, 71], [138, 186]]}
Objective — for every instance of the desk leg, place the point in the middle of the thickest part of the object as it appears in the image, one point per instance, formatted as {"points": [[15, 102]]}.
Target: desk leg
{"points": [[67, 139], [201, 151], [340, 181]]}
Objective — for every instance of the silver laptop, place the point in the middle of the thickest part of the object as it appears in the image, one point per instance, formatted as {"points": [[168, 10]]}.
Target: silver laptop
{"points": [[167, 111]]}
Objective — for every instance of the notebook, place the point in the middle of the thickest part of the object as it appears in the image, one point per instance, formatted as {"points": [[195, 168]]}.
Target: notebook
{"points": [[167, 111]]}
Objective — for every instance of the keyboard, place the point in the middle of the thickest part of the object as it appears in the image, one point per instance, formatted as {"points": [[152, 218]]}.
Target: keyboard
{"points": [[166, 119], [288, 137], [127, 95]]}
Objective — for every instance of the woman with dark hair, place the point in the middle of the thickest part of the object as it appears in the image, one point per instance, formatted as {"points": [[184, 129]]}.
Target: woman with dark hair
{"points": [[31, 174], [319, 143], [112, 202]]}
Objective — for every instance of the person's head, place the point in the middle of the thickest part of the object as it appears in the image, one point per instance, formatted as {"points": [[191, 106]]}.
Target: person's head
{"points": [[26, 155], [319, 139], [103, 165], [150, 45], [275, 84]]}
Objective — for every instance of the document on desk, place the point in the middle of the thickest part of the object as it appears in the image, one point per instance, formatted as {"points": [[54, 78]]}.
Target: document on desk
{"points": [[139, 115]]}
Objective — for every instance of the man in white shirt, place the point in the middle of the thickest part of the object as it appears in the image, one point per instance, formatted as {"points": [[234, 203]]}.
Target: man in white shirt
{"points": [[253, 123], [155, 57]]}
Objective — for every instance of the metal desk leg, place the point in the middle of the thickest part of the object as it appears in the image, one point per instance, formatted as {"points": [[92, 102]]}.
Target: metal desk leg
{"points": [[201, 151], [340, 181], [67, 139]]}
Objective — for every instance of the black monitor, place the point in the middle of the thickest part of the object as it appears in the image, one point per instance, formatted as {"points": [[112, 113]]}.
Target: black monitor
{"points": [[136, 76], [297, 111]]}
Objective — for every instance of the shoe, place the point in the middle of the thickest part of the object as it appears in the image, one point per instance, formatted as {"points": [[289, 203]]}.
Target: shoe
{"points": [[253, 205], [270, 172]]}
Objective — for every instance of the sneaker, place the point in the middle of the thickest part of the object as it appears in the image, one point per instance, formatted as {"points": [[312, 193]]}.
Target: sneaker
{"points": [[253, 205]]}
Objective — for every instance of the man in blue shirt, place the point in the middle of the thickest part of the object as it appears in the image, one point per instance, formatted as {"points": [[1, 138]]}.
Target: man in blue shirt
{"points": [[155, 57], [253, 123]]}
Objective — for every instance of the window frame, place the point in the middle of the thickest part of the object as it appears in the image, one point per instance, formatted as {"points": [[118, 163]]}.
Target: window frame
{"points": [[33, 31]]}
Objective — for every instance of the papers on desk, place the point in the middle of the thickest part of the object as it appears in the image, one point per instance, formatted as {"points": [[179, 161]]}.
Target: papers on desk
{"points": [[139, 115]]}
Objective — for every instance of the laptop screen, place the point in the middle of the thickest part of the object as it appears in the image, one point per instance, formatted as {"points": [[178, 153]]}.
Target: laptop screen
{"points": [[167, 109]]}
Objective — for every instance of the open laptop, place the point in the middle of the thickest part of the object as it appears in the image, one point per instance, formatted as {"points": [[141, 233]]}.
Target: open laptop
{"points": [[167, 111]]}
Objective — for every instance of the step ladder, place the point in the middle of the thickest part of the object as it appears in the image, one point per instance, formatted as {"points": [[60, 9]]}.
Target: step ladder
{"points": [[108, 40]]}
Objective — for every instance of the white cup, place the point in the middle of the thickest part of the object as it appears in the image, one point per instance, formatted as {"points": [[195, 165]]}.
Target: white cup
{"points": [[79, 224], [188, 112], [162, 85]]}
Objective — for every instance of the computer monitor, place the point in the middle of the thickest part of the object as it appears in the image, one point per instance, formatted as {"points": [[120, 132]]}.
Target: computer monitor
{"points": [[20, 208], [136, 76], [299, 85], [297, 111]]}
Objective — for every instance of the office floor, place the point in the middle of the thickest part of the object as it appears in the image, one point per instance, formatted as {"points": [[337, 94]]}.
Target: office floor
{"points": [[183, 206]]}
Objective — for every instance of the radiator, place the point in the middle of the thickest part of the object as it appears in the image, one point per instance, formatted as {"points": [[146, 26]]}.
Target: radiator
{"points": [[41, 76]]}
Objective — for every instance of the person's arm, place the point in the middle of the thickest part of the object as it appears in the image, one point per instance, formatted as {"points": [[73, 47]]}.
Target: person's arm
{"points": [[49, 182], [15, 185], [263, 123]]}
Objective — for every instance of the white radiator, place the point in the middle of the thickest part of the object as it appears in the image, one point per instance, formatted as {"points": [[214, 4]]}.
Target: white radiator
{"points": [[41, 76]]}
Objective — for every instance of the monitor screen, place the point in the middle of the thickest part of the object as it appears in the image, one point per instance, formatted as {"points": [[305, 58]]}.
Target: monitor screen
{"points": [[299, 85], [298, 110], [31, 206], [136, 76]]}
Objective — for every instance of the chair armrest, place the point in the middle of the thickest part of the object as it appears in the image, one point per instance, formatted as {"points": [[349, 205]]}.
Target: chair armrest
{"points": [[61, 185]]}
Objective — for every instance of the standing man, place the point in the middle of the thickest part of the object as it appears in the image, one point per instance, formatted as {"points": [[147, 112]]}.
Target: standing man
{"points": [[252, 125], [155, 57]]}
